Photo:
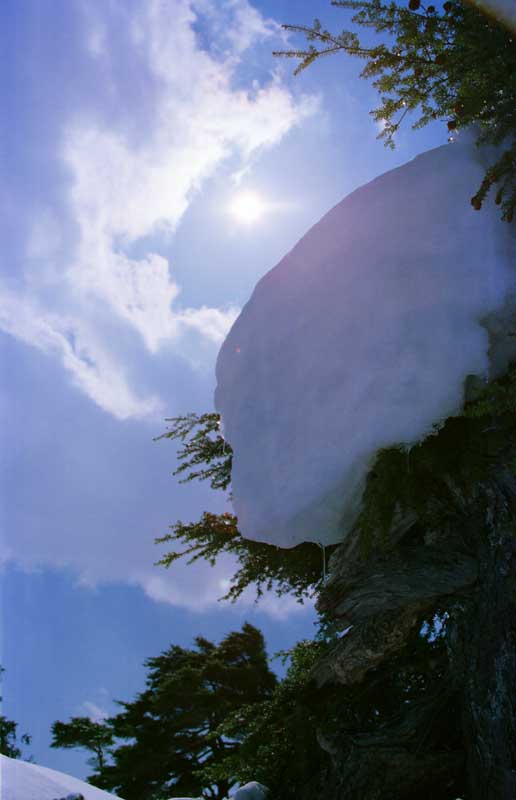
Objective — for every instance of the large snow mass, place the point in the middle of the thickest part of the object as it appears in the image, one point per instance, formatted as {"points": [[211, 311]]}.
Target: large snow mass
{"points": [[20, 780], [362, 337]]}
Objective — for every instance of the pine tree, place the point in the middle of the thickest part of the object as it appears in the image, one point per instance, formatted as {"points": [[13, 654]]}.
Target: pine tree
{"points": [[452, 63], [8, 735], [296, 571], [409, 690], [204, 454], [8, 738], [202, 446], [83, 732], [166, 741]]}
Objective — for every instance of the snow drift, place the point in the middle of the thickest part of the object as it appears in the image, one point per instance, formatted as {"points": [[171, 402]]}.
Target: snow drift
{"points": [[20, 780], [362, 337], [250, 791]]}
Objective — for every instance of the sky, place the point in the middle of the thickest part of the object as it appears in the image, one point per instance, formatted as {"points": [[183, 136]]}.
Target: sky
{"points": [[158, 162]]}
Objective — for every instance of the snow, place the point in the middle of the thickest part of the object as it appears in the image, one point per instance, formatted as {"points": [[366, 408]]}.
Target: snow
{"points": [[20, 780], [250, 791], [360, 338]]}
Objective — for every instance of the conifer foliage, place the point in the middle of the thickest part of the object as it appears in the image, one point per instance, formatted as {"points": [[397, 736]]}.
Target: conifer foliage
{"points": [[8, 738], [91, 735], [167, 742], [205, 455], [204, 451], [451, 62], [297, 571], [9, 744]]}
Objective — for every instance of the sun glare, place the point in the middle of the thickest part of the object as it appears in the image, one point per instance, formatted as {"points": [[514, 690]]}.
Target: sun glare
{"points": [[247, 207]]}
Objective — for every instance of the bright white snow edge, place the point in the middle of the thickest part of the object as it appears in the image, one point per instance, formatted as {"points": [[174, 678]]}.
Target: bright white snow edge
{"points": [[360, 338], [250, 791], [21, 780]]}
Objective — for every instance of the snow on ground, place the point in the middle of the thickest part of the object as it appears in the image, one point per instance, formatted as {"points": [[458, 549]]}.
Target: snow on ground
{"points": [[360, 338], [20, 780], [250, 791]]}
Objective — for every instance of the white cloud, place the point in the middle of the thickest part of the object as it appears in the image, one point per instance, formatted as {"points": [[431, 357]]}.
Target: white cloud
{"points": [[235, 25], [99, 292], [211, 322], [125, 189], [95, 712], [201, 586], [249, 25], [122, 192], [90, 365]]}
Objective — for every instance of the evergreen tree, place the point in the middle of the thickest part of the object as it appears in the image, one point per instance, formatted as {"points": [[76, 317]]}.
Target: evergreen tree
{"points": [[202, 446], [8, 736], [296, 571], [408, 691], [205, 455], [83, 732], [167, 740], [279, 737], [454, 63]]}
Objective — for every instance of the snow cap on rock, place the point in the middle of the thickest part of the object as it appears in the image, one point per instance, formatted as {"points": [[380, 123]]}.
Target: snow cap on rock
{"points": [[361, 338], [251, 791]]}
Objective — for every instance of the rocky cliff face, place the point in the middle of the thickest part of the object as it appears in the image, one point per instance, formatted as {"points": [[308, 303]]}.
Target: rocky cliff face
{"points": [[425, 678], [393, 314]]}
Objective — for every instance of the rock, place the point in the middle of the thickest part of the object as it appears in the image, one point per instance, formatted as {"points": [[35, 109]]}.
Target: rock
{"points": [[250, 791]]}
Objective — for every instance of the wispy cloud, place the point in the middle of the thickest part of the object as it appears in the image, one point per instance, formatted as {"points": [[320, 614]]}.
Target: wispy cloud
{"points": [[95, 712], [97, 291], [85, 358], [202, 586], [132, 183]]}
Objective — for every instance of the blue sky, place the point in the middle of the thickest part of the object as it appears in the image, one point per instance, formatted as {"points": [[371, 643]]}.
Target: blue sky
{"points": [[130, 127]]}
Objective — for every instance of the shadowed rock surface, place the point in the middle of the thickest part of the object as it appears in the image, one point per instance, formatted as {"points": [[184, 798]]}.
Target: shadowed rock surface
{"points": [[424, 681]]}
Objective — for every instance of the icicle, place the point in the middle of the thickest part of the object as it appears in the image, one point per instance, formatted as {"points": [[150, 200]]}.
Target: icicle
{"points": [[323, 548]]}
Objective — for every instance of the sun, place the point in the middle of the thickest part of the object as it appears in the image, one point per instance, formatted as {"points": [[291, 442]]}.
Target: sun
{"points": [[247, 207]]}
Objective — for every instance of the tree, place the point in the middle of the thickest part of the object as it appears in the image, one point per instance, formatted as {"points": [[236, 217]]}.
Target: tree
{"points": [[457, 65], [408, 691], [205, 455], [296, 571], [279, 737], [202, 445], [434, 547], [8, 736], [83, 732], [167, 740]]}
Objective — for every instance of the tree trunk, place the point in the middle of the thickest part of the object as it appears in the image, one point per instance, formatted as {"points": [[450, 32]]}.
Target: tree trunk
{"points": [[482, 648], [466, 572]]}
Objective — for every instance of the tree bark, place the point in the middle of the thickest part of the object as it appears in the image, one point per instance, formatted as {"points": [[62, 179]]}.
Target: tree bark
{"points": [[470, 570], [482, 646]]}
